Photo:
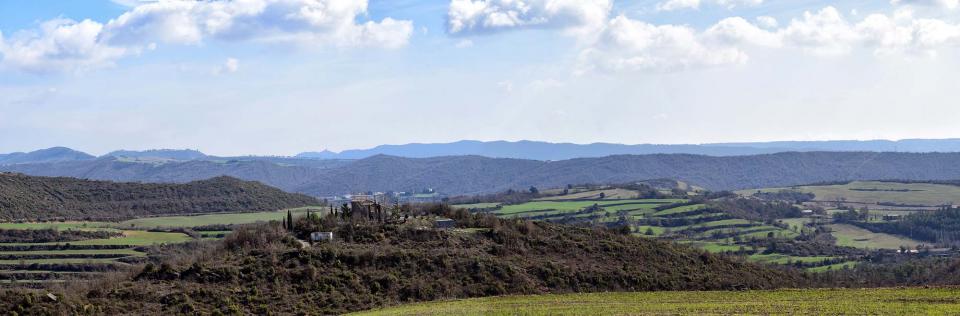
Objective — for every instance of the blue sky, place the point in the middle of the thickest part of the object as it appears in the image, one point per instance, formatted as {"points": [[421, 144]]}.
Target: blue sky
{"points": [[285, 76]]}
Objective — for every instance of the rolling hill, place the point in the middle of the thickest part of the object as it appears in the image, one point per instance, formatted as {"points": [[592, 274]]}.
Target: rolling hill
{"points": [[263, 270], [49, 155], [476, 174], [42, 198], [537, 150]]}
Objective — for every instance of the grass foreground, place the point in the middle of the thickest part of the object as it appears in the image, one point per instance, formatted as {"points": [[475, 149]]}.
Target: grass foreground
{"points": [[893, 301]]}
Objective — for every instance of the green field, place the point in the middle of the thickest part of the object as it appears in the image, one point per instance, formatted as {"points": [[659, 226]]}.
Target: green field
{"points": [[608, 194], [59, 260], [130, 238], [679, 210], [869, 193], [126, 252], [57, 225], [852, 236], [796, 223], [913, 301], [209, 219], [833, 267], [477, 205], [784, 259], [552, 207], [714, 246]]}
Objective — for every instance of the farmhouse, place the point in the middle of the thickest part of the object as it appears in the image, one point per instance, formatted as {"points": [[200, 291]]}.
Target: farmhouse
{"points": [[321, 236], [444, 223]]}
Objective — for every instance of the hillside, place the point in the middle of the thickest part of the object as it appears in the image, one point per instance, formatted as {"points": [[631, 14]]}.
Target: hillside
{"points": [[55, 154], [262, 270], [537, 150], [41, 198], [166, 154], [476, 174]]}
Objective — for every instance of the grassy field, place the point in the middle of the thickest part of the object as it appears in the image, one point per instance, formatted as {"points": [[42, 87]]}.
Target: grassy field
{"points": [[57, 225], [869, 193], [912, 301], [608, 194], [679, 210], [126, 252], [784, 259], [210, 219], [838, 266], [572, 206], [59, 260], [712, 246], [130, 238], [849, 235], [796, 223], [476, 205]]}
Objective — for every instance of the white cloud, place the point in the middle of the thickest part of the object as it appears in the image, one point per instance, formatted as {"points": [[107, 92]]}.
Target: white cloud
{"points": [[67, 45], [673, 5], [631, 45], [825, 32], [828, 32], [948, 4], [767, 22], [231, 65], [307, 22], [492, 15], [60, 44], [736, 31]]}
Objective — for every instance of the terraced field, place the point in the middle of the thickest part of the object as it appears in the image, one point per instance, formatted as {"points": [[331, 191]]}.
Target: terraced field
{"points": [[904, 301], [44, 262], [38, 263], [879, 195], [712, 230]]}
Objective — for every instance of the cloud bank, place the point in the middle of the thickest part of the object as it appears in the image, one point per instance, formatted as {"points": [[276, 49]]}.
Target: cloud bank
{"points": [[474, 16], [65, 45]]}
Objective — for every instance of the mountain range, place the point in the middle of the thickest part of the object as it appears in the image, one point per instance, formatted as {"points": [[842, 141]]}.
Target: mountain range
{"points": [[561, 151], [475, 174], [530, 150]]}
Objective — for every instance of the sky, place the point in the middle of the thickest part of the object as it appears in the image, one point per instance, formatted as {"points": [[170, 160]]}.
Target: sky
{"points": [[278, 77]]}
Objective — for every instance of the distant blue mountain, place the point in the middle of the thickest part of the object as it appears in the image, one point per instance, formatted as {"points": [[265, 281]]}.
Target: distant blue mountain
{"points": [[171, 154], [560, 151], [55, 154]]}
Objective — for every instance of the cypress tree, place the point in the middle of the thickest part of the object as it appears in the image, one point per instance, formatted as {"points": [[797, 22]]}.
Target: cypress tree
{"points": [[289, 220]]}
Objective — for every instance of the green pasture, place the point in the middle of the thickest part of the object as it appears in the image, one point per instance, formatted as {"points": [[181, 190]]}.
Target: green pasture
{"points": [[869, 193], [678, 210], [129, 238], [852, 236], [79, 252], [834, 267], [903, 301], [209, 219], [542, 207], [476, 205]]}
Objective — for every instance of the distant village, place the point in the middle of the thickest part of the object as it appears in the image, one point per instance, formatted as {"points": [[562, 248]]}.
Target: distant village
{"points": [[426, 195]]}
